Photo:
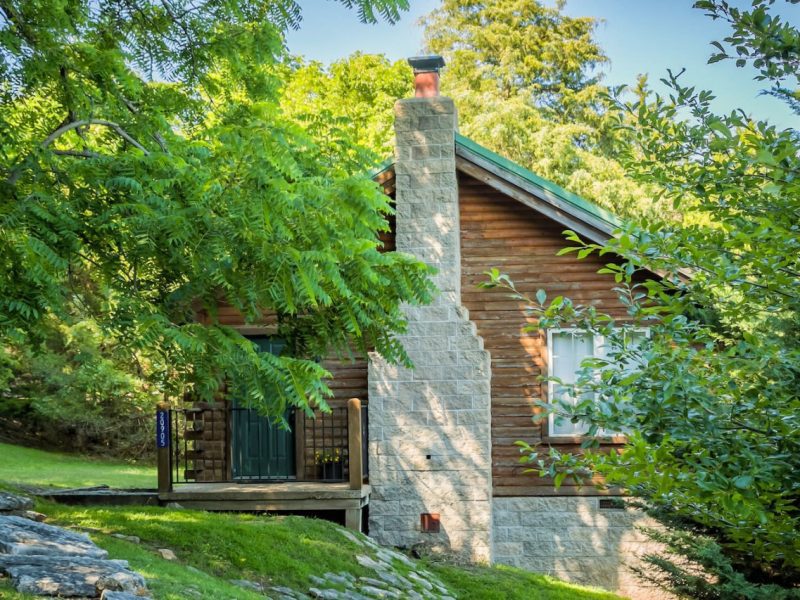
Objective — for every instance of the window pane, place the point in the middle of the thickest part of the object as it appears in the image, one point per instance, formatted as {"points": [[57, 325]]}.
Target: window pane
{"points": [[567, 352], [634, 339]]}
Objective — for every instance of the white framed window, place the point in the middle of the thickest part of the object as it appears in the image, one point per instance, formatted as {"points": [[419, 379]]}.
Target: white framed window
{"points": [[566, 350]]}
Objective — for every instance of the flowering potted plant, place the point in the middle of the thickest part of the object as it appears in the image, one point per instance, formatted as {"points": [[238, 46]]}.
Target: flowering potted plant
{"points": [[330, 463]]}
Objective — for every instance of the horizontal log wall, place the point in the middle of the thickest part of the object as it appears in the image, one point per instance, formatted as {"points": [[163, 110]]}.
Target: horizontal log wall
{"points": [[349, 381], [497, 231], [211, 463]]}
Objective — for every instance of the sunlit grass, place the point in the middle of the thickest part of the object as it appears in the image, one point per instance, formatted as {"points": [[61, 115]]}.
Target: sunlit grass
{"points": [[28, 466], [272, 550], [277, 550], [508, 583], [169, 580], [9, 593]]}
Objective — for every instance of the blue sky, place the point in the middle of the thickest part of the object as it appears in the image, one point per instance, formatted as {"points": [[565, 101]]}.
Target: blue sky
{"points": [[639, 36]]}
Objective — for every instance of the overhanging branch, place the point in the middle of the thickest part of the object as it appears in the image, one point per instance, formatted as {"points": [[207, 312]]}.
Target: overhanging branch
{"points": [[110, 124], [72, 125]]}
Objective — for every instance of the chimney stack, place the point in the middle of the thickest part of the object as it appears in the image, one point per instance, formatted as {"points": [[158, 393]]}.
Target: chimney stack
{"points": [[426, 75], [430, 428]]}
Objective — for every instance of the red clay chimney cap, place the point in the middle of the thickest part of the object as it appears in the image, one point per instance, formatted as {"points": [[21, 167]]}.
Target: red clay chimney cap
{"points": [[426, 75]]}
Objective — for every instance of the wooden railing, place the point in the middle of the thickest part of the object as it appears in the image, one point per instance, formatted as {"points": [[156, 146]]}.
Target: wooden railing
{"points": [[195, 445]]}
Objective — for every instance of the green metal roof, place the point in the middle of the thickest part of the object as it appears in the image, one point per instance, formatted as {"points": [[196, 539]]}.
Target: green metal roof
{"points": [[504, 164], [580, 207]]}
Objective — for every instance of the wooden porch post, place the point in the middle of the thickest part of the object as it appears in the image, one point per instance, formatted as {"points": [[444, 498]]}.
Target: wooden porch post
{"points": [[352, 516], [163, 448], [352, 519], [354, 443]]}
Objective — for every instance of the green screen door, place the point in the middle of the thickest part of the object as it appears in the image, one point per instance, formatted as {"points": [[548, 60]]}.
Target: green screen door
{"points": [[261, 450]]}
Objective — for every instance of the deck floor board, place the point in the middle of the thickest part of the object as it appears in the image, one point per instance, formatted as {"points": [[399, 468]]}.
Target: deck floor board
{"points": [[289, 495]]}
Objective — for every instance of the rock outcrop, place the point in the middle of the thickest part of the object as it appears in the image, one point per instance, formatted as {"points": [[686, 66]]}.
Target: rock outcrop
{"points": [[46, 560]]}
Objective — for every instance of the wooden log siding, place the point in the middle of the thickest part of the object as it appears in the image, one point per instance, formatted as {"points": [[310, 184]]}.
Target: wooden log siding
{"points": [[387, 237], [210, 448], [497, 231], [349, 381]]}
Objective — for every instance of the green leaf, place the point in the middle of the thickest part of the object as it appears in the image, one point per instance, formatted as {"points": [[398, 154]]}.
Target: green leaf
{"points": [[720, 127]]}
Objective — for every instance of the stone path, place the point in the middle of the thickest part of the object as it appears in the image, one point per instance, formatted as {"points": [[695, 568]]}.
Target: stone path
{"points": [[396, 577], [45, 560]]}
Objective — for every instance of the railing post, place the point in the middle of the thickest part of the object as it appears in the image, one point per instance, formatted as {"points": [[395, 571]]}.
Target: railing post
{"points": [[299, 427], [354, 443], [164, 448], [227, 449]]}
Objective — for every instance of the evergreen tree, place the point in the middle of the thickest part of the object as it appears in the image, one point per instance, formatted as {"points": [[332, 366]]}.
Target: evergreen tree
{"points": [[527, 82]]}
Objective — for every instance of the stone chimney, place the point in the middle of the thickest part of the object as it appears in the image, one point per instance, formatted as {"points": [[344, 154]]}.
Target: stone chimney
{"points": [[429, 427]]}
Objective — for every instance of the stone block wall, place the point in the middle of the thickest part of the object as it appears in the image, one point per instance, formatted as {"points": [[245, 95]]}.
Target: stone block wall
{"points": [[429, 427], [573, 539]]}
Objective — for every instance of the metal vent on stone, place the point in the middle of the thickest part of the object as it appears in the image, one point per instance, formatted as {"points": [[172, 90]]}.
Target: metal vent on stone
{"points": [[611, 504], [429, 522]]}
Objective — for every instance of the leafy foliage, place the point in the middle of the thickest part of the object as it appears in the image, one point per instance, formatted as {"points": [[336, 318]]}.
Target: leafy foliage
{"points": [[709, 402], [526, 82], [76, 384], [352, 99], [519, 48], [149, 175]]}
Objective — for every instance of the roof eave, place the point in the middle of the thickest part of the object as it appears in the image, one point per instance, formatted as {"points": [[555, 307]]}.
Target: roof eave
{"points": [[542, 196]]}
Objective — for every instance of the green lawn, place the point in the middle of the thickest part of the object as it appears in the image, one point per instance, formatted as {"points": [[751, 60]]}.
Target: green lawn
{"points": [[282, 550], [9, 593], [36, 467], [213, 548], [508, 583], [272, 550]]}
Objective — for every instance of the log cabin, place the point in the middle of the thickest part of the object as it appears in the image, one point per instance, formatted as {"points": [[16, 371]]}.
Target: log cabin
{"points": [[425, 457]]}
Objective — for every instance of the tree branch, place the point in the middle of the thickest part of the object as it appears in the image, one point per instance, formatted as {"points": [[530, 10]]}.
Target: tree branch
{"points": [[13, 16], [16, 172], [110, 124], [78, 153], [156, 136]]}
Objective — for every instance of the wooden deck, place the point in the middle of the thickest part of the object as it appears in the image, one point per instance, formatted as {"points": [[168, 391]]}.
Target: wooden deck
{"points": [[350, 496], [290, 495]]}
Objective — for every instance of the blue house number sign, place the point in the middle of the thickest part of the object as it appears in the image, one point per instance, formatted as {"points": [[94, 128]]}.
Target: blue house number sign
{"points": [[162, 429]]}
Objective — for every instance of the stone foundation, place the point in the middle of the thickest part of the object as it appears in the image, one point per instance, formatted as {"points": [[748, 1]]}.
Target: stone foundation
{"points": [[575, 540]]}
